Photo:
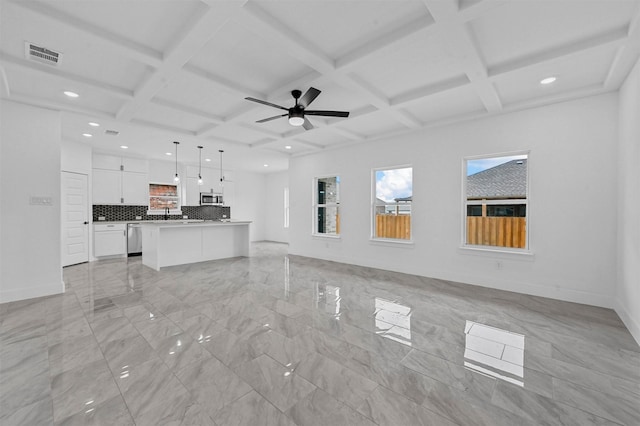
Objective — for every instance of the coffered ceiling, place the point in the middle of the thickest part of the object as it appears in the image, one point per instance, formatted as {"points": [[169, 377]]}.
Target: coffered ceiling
{"points": [[159, 71]]}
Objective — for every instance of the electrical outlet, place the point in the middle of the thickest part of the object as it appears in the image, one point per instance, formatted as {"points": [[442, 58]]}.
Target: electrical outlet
{"points": [[102, 218], [185, 217], [499, 264], [41, 201], [138, 217]]}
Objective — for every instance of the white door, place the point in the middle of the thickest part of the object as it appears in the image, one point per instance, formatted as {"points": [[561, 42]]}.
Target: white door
{"points": [[75, 223]]}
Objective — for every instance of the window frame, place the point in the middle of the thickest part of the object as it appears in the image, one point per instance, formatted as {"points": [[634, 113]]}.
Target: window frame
{"points": [[526, 250], [316, 206], [372, 210], [178, 198]]}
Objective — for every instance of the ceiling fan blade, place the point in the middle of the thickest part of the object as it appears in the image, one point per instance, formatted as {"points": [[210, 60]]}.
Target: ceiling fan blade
{"points": [[307, 124], [328, 113], [308, 97], [271, 118], [266, 103]]}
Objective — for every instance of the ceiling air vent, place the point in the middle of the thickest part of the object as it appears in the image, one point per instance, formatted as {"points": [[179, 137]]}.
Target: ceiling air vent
{"points": [[111, 132], [41, 54]]}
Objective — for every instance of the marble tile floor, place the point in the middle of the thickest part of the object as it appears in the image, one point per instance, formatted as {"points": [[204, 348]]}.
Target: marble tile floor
{"points": [[284, 340]]}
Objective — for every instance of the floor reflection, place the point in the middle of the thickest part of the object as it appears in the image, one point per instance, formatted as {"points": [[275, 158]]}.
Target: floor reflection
{"points": [[495, 352], [328, 299], [393, 321]]}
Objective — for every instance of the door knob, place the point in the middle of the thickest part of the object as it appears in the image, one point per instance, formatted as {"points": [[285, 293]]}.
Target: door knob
{"points": [[86, 223]]}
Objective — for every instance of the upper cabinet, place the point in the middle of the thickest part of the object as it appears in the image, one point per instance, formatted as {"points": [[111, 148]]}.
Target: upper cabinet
{"points": [[120, 180]]}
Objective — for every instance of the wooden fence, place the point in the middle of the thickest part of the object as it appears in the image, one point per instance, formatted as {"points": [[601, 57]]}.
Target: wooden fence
{"points": [[497, 231], [392, 226]]}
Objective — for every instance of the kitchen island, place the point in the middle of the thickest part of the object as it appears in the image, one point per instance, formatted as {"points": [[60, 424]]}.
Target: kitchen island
{"points": [[167, 243]]}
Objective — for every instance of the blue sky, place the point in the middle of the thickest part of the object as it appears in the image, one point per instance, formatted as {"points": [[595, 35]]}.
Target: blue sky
{"points": [[475, 166], [394, 183]]}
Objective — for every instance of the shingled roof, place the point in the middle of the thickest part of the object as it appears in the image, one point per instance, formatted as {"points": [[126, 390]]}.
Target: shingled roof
{"points": [[505, 181]]}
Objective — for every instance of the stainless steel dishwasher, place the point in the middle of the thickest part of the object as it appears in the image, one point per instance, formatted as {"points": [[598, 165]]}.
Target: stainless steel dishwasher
{"points": [[134, 239]]}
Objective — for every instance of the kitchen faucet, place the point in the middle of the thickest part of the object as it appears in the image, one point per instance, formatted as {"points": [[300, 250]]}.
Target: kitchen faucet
{"points": [[166, 213]]}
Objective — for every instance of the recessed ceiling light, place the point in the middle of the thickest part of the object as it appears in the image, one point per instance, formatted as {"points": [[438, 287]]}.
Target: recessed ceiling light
{"points": [[71, 94], [168, 153], [287, 147], [87, 135], [124, 147], [94, 124], [207, 159], [548, 80], [266, 165]]}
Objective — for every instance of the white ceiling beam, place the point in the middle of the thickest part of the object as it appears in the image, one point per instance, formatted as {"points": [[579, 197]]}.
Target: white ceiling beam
{"points": [[173, 129], [615, 37], [121, 45], [196, 33], [5, 92], [386, 41], [463, 46], [45, 70], [480, 8], [262, 143], [222, 83], [187, 109], [262, 130], [429, 90], [262, 23], [309, 144], [626, 56], [59, 106]]}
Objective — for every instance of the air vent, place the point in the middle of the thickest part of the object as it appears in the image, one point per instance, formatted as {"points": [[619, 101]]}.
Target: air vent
{"points": [[42, 54], [111, 132]]}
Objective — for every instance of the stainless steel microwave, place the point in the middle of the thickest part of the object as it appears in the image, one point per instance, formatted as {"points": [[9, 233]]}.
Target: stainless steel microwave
{"points": [[209, 199]]}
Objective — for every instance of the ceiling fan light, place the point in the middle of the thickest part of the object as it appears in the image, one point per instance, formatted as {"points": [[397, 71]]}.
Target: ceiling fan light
{"points": [[296, 120]]}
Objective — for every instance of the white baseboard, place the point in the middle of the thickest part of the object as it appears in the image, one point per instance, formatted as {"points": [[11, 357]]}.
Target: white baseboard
{"points": [[31, 292], [632, 325], [522, 287]]}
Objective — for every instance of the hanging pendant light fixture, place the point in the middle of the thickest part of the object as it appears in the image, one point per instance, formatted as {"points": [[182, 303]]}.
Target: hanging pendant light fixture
{"points": [[221, 169], [176, 178], [200, 182]]}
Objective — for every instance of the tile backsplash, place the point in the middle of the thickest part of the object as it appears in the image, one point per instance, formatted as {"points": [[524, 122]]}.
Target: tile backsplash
{"points": [[113, 213]]}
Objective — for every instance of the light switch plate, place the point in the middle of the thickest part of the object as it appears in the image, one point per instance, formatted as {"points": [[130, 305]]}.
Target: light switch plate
{"points": [[41, 201]]}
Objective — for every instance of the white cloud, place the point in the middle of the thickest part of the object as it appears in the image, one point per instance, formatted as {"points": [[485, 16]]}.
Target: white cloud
{"points": [[396, 183]]}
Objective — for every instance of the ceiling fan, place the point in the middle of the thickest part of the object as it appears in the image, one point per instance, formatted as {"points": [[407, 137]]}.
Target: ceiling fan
{"points": [[297, 112]]}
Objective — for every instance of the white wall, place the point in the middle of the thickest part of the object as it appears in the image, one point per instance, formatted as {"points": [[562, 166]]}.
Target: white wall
{"points": [[248, 201], [29, 234], [628, 286], [75, 157], [274, 207], [573, 173]]}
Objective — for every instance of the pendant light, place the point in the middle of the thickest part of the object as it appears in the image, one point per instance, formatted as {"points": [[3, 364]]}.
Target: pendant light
{"points": [[221, 169], [200, 165], [176, 178]]}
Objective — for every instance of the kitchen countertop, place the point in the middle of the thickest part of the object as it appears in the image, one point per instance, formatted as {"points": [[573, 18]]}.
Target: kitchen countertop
{"points": [[192, 223], [111, 222]]}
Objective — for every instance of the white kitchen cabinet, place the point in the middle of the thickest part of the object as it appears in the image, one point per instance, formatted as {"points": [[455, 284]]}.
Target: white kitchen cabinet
{"points": [[107, 186], [135, 189], [120, 180], [136, 165], [109, 239], [106, 162]]}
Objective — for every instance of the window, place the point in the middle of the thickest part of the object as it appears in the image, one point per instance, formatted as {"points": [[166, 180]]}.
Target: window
{"points": [[326, 206], [163, 196], [286, 207], [393, 195], [496, 201]]}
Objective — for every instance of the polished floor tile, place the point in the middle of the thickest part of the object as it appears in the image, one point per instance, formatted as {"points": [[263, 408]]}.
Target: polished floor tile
{"points": [[283, 340]]}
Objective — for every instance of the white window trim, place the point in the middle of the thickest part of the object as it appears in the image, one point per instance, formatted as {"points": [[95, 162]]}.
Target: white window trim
{"points": [[314, 210], [494, 250], [172, 212], [372, 221]]}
